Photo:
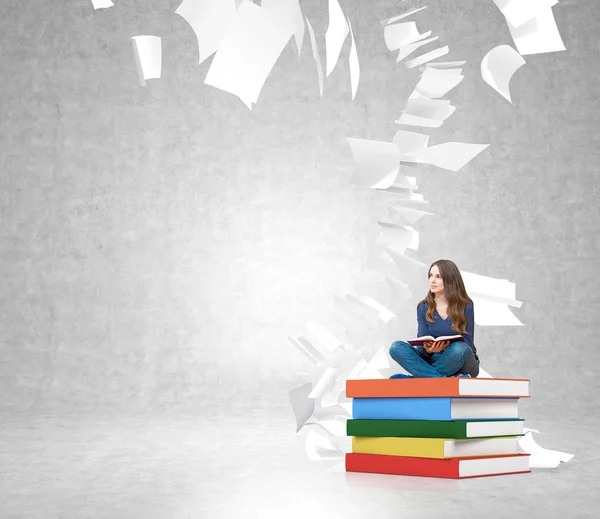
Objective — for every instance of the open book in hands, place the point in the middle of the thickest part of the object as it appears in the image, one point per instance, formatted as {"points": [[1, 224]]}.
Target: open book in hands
{"points": [[420, 340]]}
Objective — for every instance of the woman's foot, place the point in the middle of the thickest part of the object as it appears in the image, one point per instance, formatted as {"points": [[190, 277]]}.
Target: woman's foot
{"points": [[401, 375]]}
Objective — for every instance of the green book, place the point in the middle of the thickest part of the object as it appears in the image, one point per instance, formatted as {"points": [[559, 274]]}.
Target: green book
{"points": [[435, 428]]}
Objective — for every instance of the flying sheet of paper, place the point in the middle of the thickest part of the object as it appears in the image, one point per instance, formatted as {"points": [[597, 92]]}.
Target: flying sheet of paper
{"points": [[445, 64], [404, 194], [424, 58], [319, 447], [408, 142], [517, 12], [302, 349], [290, 12], [354, 65], [406, 50], [398, 236], [408, 215], [493, 314], [327, 378], [437, 109], [435, 83], [302, 405], [404, 182], [147, 52], [102, 4], [413, 120], [248, 52], [539, 35], [403, 15], [498, 67], [384, 313], [408, 266], [449, 155], [540, 457], [400, 34], [323, 336], [335, 36], [494, 289], [317, 58], [209, 19], [376, 163]]}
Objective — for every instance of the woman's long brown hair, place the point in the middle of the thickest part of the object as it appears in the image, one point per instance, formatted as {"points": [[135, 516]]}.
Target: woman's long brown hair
{"points": [[455, 293]]}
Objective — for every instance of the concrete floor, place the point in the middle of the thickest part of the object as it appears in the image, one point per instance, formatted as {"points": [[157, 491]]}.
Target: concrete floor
{"points": [[182, 464]]}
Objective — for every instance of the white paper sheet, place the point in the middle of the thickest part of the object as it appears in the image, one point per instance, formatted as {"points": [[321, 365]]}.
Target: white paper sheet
{"points": [[290, 12], [376, 163], [302, 405], [323, 336], [315, 50], [408, 142], [403, 15], [488, 313], [438, 109], [413, 120], [327, 379], [248, 52], [445, 64], [353, 63], [498, 67], [540, 457], [302, 349], [400, 34], [408, 215], [336, 33], [102, 4], [407, 49], [209, 19], [517, 12], [495, 288], [539, 35], [435, 83], [424, 58], [147, 52], [384, 313], [409, 267], [398, 236], [449, 155]]}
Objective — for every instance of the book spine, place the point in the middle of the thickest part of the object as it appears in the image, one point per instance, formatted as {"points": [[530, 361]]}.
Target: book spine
{"points": [[407, 428], [399, 465]]}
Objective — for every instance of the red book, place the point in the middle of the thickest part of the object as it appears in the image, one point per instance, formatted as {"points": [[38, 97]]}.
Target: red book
{"points": [[453, 468]]}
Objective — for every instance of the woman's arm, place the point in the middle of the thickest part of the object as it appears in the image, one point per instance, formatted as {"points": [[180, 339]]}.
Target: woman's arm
{"points": [[422, 326]]}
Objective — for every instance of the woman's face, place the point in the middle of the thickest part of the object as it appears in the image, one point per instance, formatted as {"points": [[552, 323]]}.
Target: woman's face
{"points": [[436, 283]]}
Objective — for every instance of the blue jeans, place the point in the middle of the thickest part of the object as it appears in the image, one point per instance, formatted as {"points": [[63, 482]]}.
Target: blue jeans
{"points": [[456, 358]]}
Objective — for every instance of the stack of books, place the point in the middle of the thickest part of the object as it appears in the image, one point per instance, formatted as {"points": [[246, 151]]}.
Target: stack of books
{"points": [[436, 427]]}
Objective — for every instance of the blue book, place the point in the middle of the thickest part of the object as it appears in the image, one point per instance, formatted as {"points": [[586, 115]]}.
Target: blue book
{"points": [[426, 408]]}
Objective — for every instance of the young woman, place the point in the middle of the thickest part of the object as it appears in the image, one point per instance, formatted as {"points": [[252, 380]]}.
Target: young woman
{"points": [[446, 310]]}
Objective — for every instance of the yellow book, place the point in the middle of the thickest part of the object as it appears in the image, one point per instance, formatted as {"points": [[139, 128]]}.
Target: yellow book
{"points": [[434, 447]]}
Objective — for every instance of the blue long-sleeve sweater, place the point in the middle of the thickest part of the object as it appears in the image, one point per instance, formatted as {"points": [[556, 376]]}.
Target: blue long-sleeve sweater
{"points": [[441, 327]]}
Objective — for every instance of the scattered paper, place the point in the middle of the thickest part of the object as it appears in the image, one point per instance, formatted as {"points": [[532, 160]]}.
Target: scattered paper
{"points": [[498, 67], [308, 350], [492, 289], [424, 58], [437, 109], [302, 405], [449, 155], [327, 378], [403, 15], [435, 83], [408, 266], [102, 4], [408, 142], [323, 336], [354, 65], [336, 33], [313, 42], [539, 35], [147, 52], [385, 314], [408, 215], [445, 64], [376, 163], [540, 457], [405, 33], [517, 12], [398, 236], [493, 314], [407, 49], [209, 19], [290, 12]]}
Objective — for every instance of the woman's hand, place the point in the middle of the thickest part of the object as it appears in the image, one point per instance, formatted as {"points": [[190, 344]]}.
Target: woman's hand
{"points": [[435, 346]]}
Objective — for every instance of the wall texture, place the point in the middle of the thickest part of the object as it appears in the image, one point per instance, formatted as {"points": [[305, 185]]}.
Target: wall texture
{"points": [[159, 244]]}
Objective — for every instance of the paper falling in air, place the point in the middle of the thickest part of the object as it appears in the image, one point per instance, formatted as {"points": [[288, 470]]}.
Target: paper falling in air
{"points": [[540, 457], [336, 33], [319, 447], [493, 314], [315, 49], [449, 155], [376, 163], [398, 236], [209, 19], [517, 12], [409, 267], [539, 35], [327, 378], [354, 65], [406, 50], [401, 34], [147, 52], [308, 350], [385, 314], [290, 12], [498, 67], [445, 64], [323, 336], [492, 289], [424, 58], [302, 405], [248, 52], [408, 215], [102, 4], [408, 142], [435, 83], [403, 15], [436, 109]]}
